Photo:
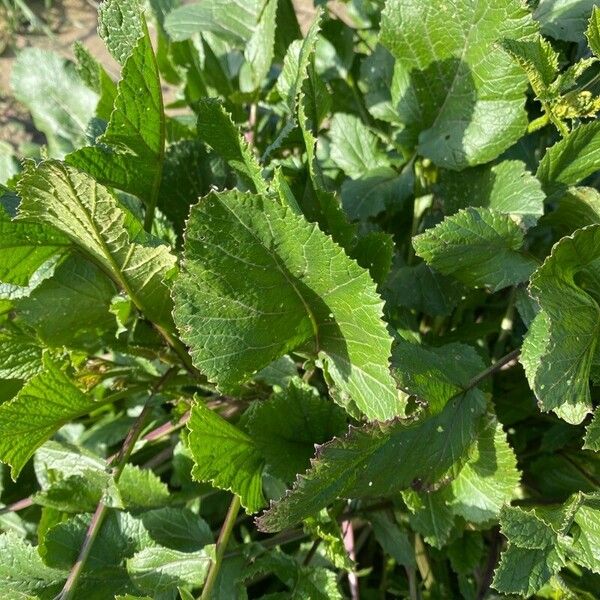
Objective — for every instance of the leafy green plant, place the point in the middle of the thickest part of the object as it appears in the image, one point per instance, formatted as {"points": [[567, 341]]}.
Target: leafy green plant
{"points": [[325, 324]]}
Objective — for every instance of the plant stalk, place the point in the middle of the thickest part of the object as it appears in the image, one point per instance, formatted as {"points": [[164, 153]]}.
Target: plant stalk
{"points": [[222, 542], [121, 458]]}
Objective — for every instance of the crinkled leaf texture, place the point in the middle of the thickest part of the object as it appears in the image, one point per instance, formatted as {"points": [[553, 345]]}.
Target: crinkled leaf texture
{"points": [[574, 158], [259, 281], [561, 342], [130, 153], [226, 456], [44, 404], [459, 95], [382, 459], [92, 218], [542, 540], [478, 246]]}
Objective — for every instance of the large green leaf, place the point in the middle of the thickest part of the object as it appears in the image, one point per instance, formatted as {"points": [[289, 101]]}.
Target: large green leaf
{"points": [[43, 405], [459, 96], [382, 459], [572, 159], [130, 153], [226, 456], [478, 246], [89, 214], [258, 281], [61, 105], [561, 343]]}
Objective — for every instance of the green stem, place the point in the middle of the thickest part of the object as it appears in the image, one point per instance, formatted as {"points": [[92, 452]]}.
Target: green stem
{"points": [[538, 123], [222, 542], [68, 591], [121, 458]]}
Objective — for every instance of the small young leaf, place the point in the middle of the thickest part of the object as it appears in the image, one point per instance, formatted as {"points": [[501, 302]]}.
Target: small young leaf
{"points": [[226, 456], [354, 148], [217, 129], [572, 159]]}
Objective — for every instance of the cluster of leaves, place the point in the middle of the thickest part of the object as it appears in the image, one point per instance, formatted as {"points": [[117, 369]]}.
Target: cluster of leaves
{"points": [[353, 272]]}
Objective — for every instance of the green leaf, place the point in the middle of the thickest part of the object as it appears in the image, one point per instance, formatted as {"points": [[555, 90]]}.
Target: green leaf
{"points": [[393, 540], [25, 247], [309, 419], [592, 433], [592, 33], [488, 480], [20, 356], [104, 574], [61, 105], [71, 308], [225, 456], [478, 246], [162, 569], [574, 158], [22, 571], [329, 532], [217, 129], [177, 528], [141, 488], [564, 19], [530, 559], [73, 479], [539, 60], [578, 207], [130, 153], [298, 290], [423, 289], [259, 50], [561, 342], [234, 21], [89, 214], [97, 79], [434, 374], [121, 25], [381, 459], [375, 190], [506, 187], [459, 96], [43, 405], [354, 147]]}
